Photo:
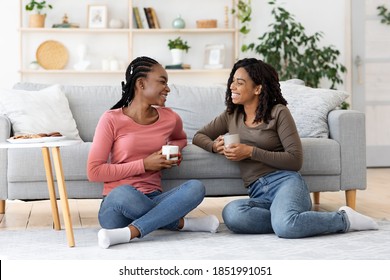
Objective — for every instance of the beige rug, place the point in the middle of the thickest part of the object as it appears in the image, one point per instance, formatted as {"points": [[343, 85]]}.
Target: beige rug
{"points": [[48, 244]]}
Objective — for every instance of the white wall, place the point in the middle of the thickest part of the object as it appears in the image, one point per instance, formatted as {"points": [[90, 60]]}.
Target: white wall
{"points": [[9, 46], [328, 16]]}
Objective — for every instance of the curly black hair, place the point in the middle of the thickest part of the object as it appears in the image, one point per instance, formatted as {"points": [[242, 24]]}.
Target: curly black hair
{"points": [[262, 74], [139, 67]]}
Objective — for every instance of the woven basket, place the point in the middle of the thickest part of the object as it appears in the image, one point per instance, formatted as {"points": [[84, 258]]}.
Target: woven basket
{"points": [[206, 23], [52, 55]]}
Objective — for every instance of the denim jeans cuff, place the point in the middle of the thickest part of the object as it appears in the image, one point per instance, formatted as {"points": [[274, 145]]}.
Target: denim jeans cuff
{"points": [[141, 232], [345, 220]]}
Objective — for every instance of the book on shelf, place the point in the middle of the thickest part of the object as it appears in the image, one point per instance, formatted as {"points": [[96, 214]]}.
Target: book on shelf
{"points": [[151, 17], [142, 16], [137, 17], [155, 18]]}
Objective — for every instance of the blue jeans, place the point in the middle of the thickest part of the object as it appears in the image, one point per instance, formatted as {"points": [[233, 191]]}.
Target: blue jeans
{"points": [[280, 202], [125, 205]]}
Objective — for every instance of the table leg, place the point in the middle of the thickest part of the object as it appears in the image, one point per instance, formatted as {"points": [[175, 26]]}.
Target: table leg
{"points": [[50, 185], [63, 195], [2, 206]]}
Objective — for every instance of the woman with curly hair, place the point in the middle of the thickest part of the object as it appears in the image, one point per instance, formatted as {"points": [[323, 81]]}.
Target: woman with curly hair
{"points": [[269, 156]]}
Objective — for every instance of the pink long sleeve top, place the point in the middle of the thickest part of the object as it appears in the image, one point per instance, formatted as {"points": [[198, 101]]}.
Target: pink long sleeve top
{"points": [[120, 146]]}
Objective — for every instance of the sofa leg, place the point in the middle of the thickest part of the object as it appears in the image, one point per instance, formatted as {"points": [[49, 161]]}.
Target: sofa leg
{"points": [[2, 206], [316, 197], [350, 197]]}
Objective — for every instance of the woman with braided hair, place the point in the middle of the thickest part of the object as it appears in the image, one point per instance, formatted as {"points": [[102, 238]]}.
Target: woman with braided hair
{"points": [[126, 155], [269, 156]]}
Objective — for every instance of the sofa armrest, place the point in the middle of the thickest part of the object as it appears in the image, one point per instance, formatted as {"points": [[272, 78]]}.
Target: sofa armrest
{"points": [[5, 133], [5, 128], [348, 128]]}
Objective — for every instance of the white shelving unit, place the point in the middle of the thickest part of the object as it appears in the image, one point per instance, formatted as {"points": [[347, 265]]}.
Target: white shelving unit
{"points": [[127, 43]]}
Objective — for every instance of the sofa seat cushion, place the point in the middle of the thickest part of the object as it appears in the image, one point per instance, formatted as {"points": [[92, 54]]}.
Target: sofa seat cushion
{"points": [[31, 162], [200, 164], [321, 157]]}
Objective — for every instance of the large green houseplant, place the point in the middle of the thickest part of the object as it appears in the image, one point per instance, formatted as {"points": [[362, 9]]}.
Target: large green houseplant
{"points": [[295, 54], [384, 14]]}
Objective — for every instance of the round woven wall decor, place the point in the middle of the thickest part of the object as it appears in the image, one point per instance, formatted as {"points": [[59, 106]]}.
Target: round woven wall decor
{"points": [[52, 55]]}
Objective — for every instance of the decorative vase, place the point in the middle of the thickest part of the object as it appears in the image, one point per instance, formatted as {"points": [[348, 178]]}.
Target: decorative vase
{"points": [[177, 56], [178, 23], [37, 21]]}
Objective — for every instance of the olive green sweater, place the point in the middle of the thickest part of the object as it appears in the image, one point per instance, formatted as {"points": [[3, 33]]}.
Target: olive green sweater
{"points": [[277, 145]]}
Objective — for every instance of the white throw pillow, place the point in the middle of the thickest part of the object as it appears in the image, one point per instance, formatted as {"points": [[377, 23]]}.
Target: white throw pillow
{"points": [[43, 111], [310, 107]]}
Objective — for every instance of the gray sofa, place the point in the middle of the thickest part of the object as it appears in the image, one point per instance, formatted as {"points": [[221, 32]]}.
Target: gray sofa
{"points": [[335, 162]]}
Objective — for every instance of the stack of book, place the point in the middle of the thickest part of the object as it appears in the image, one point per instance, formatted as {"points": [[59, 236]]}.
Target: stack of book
{"points": [[178, 66], [145, 18]]}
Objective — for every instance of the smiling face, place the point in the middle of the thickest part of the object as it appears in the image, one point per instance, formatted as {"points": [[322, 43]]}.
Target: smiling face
{"points": [[154, 87], [244, 91]]}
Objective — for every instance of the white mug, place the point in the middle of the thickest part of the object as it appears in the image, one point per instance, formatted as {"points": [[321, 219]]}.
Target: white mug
{"points": [[229, 139], [169, 150]]}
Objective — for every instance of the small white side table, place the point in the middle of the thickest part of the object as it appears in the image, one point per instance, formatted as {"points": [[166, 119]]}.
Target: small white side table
{"points": [[55, 149]]}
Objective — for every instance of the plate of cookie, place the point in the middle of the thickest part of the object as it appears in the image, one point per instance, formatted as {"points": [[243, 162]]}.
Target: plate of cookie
{"points": [[36, 138]]}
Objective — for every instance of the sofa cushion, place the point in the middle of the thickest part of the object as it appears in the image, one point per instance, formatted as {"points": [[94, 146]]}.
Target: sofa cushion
{"points": [[200, 164], [87, 103], [310, 107], [43, 111], [320, 157], [196, 105]]}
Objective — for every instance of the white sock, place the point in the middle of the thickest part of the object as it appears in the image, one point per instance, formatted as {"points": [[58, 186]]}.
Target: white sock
{"points": [[207, 223], [108, 237], [358, 221]]}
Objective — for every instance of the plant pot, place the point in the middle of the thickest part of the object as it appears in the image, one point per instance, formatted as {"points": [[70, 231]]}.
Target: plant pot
{"points": [[177, 56], [37, 21]]}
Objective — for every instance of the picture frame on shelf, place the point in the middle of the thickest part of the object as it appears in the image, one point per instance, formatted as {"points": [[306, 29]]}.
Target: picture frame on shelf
{"points": [[97, 16], [214, 56]]}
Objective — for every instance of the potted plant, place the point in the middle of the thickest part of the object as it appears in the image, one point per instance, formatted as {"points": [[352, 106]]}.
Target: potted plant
{"points": [[38, 18], [177, 48]]}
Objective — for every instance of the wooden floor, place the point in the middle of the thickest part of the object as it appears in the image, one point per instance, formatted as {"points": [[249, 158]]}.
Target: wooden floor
{"points": [[374, 202]]}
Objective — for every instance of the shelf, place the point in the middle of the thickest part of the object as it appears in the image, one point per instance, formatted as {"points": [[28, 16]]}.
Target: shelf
{"points": [[70, 71], [97, 71], [186, 30], [199, 71], [126, 30], [124, 44], [74, 30]]}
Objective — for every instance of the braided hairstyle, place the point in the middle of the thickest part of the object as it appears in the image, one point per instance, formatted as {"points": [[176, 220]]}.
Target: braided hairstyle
{"points": [[138, 68], [262, 74]]}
